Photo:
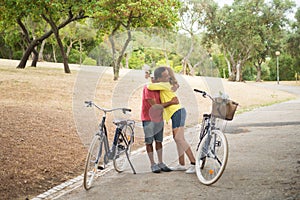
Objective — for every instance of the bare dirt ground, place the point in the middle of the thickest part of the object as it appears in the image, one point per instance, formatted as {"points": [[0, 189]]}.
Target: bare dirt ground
{"points": [[40, 147]]}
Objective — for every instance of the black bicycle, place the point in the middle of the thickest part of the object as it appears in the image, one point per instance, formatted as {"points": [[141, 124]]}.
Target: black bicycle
{"points": [[212, 149], [100, 152]]}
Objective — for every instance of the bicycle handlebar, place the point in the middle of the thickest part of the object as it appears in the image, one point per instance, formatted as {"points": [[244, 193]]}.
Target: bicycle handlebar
{"points": [[204, 94], [200, 91], [91, 103]]}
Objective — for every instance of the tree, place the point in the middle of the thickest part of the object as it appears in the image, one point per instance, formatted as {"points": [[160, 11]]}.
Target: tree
{"points": [[293, 42], [243, 30], [56, 13], [192, 15], [272, 23], [77, 33], [127, 15]]}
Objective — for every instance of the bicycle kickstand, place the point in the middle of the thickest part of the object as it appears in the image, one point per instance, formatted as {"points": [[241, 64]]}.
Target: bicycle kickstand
{"points": [[133, 170]]}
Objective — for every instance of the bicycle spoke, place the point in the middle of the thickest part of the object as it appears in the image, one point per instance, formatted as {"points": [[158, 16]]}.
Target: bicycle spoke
{"points": [[211, 158], [123, 150], [92, 161]]}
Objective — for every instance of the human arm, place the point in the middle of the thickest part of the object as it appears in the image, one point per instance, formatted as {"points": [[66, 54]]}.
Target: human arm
{"points": [[159, 86], [173, 101]]}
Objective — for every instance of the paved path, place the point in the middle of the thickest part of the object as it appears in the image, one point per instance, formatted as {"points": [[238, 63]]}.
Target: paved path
{"points": [[264, 163]]}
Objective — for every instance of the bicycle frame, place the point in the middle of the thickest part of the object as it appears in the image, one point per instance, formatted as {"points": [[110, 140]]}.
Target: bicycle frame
{"points": [[109, 155], [100, 148], [103, 129]]}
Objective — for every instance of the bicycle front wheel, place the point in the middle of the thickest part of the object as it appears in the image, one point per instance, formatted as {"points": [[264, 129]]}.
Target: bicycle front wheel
{"points": [[92, 161], [123, 149], [211, 157]]}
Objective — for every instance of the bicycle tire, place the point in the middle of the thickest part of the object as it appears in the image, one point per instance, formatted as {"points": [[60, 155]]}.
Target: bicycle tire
{"points": [[92, 161], [125, 142], [208, 167]]}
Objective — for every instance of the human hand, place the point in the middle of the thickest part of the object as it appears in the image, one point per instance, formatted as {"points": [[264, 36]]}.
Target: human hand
{"points": [[175, 87], [174, 100]]}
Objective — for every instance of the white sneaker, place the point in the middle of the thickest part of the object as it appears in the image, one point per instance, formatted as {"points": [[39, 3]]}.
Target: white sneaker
{"points": [[178, 167], [191, 170]]}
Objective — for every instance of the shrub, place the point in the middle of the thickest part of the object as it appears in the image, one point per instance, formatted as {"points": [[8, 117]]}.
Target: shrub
{"points": [[89, 61]]}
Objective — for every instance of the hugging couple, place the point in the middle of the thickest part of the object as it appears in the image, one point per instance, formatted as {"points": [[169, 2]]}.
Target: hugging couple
{"points": [[159, 104]]}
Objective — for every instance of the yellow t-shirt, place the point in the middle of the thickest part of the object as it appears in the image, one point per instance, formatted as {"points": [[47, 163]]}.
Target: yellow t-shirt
{"points": [[166, 94]]}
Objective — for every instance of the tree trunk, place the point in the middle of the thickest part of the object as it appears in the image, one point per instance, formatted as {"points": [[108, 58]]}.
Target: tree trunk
{"points": [[35, 58], [228, 67], [27, 53], [238, 68], [80, 50], [258, 75], [118, 64], [185, 61], [41, 52], [35, 42], [69, 48], [258, 69], [234, 66], [64, 56], [59, 42], [31, 48], [184, 66], [54, 53], [127, 61], [114, 64]]}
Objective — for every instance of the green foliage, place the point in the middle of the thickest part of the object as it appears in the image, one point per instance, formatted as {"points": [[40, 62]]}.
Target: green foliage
{"points": [[151, 13], [127, 15], [177, 69], [102, 55], [246, 29], [136, 60], [74, 56], [249, 73], [164, 62], [286, 68], [153, 55], [293, 42], [89, 61], [220, 64], [265, 72]]}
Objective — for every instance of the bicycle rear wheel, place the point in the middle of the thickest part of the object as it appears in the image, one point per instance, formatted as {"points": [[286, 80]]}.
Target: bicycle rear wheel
{"points": [[125, 142], [92, 161], [211, 158]]}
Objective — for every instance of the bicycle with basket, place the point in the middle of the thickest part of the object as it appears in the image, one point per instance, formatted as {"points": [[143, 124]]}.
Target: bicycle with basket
{"points": [[212, 149]]}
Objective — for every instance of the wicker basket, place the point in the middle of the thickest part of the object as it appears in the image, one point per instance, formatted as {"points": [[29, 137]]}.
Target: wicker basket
{"points": [[223, 108]]}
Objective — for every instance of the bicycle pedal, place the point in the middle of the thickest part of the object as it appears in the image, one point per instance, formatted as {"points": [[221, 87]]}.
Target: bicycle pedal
{"points": [[101, 168], [121, 147]]}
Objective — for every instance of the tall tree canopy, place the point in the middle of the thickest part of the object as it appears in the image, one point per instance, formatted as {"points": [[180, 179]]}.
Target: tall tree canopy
{"points": [[118, 16], [57, 14], [246, 30], [293, 42]]}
